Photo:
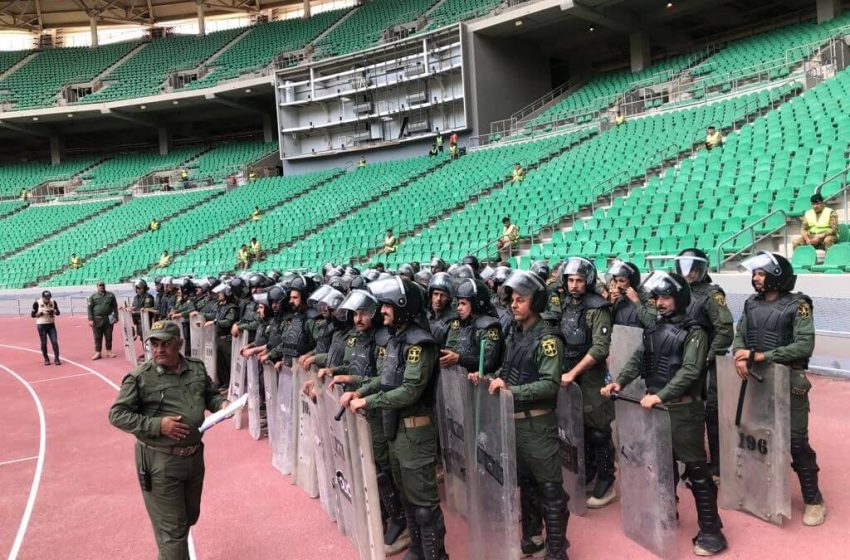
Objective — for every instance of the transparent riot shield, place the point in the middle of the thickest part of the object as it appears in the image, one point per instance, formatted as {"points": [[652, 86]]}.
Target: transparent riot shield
{"points": [[126, 318], [237, 374], [146, 330], [255, 420], [341, 465], [272, 412], [327, 406], [370, 529], [196, 338], [306, 448], [571, 434], [209, 353], [494, 513], [287, 423], [755, 434], [647, 492], [454, 391], [625, 341]]}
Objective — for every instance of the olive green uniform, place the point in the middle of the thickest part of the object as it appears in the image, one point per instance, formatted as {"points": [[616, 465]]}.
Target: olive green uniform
{"points": [[492, 337], [102, 306], [719, 318], [184, 306], [147, 394], [225, 315]]}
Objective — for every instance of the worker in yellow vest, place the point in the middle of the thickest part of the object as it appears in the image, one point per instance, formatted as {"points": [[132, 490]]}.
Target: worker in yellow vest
{"points": [[76, 262], [164, 260], [820, 225], [243, 258]]}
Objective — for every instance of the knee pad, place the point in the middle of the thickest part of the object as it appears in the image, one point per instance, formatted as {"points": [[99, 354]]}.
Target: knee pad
{"points": [[698, 472], [552, 491], [596, 438], [425, 516]]}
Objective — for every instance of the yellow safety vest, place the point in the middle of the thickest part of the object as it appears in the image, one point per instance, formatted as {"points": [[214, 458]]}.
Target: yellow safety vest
{"points": [[818, 224]]}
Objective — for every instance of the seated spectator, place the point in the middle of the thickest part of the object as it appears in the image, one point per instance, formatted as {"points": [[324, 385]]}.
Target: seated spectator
{"points": [[76, 262], [433, 151], [256, 250], [25, 194], [510, 234], [390, 243], [713, 138], [619, 119], [454, 153], [184, 177], [154, 225], [243, 258], [257, 214], [820, 225], [362, 163], [164, 260], [252, 175], [518, 173]]}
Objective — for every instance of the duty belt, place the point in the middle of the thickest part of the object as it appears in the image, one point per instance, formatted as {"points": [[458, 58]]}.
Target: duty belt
{"points": [[176, 450], [531, 413], [684, 399], [417, 421]]}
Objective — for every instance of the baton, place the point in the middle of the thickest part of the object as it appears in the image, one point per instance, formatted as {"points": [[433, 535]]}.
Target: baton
{"points": [[618, 396], [742, 394], [477, 393]]}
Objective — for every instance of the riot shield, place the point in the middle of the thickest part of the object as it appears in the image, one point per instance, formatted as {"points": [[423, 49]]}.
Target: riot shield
{"points": [[126, 318], [625, 341], [571, 434], [210, 352], [647, 492], [196, 338], [255, 427], [755, 442], [494, 511], [327, 406], [370, 529], [306, 448], [237, 374], [453, 392], [145, 321], [287, 423], [270, 384]]}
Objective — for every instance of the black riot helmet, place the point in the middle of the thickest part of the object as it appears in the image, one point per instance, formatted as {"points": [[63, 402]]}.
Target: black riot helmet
{"points": [[579, 266], [370, 275], [304, 285], [274, 275], [223, 289], [628, 270], [407, 271], [462, 271], [778, 273], [186, 285], [277, 295], [472, 261], [317, 295], [662, 283], [477, 293], [362, 300], [256, 280], [238, 287], [140, 283], [423, 278], [438, 265], [337, 283], [541, 269], [500, 275], [357, 283], [441, 281], [692, 262], [526, 284], [403, 295]]}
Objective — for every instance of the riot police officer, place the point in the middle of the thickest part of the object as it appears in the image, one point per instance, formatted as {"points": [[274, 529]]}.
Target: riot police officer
{"points": [[297, 337], [404, 393], [249, 319], [336, 330], [438, 265], [630, 307], [531, 372], [777, 327], [476, 322], [440, 312], [143, 300], [223, 318], [673, 365], [586, 328], [708, 307], [501, 303]]}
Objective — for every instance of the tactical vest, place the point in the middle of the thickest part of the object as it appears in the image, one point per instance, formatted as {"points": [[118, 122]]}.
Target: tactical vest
{"points": [[248, 311], [140, 301], [575, 331], [506, 321], [261, 337], [439, 327], [362, 360], [46, 319], [336, 348], [324, 336], [392, 372], [468, 342], [697, 308], [221, 312], [625, 313], [295, 339], [520, 366], [663, 352], [770, 325], [275, 332]]}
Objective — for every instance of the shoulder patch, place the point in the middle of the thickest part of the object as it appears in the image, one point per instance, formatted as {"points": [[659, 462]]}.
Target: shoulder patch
{"points": [[350, 342], [555, 300], [720, 298], [382, 352], [493, 334], [413, 354], [550, 347], [455, 325], [803, 310]]}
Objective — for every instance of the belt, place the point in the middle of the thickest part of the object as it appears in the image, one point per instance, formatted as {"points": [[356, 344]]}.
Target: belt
{"points": [[176, 450], [417, 421], [531, 413], [684, 399]]}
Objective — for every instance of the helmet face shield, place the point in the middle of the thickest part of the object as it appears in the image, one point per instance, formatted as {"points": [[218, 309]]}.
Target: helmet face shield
{"points": [[332, 299], [764, 261], [579, 266], [662, 284], [360, 300], [619, 268], [389, 290], [692, 267], [524, 283], [262, 298], [317, 296], [441, 281]]}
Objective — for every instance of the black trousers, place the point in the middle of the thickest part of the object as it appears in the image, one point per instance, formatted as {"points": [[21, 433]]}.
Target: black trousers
{"points": [[45, 331]]}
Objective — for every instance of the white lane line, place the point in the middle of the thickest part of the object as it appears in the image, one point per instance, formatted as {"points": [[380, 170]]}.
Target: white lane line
{"points": [[106, 380], [60, 377], [21, 460], [39, 466]]}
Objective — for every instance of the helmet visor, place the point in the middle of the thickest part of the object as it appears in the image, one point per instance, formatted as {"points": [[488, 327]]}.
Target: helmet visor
{"points": [[692, 265], [619, 268], [317, 296], [332, 299], [764, 261], [577, 266], [360, 300], [524, 283], [389, 290], [262, 298], [661, 283]]}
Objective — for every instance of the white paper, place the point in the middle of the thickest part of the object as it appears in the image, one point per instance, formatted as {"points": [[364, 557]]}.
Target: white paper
{"points": [[217, 417]]}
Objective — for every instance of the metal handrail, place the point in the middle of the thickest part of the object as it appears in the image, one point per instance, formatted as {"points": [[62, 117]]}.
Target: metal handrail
{"points": [[651, 158], [611, 182], [845, 173], [751, 229], [541, 101], [548, 219]]}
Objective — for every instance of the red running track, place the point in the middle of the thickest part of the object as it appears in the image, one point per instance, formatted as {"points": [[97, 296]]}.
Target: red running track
{"points": [[88, 504]]}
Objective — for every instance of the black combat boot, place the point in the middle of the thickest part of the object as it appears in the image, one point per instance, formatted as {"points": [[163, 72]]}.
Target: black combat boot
{"points": [[710, 540], [804, 461], [532, 518], [415, 551], [395, 524], [432, 528], [589, 465], [603, 450], [556, 515], [712, 428]]}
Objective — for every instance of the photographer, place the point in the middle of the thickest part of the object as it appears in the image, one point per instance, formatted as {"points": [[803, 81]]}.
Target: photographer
{"points": [[45, 311]]}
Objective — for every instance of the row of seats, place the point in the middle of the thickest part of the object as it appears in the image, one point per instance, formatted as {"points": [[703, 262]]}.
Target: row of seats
{"points": [[10, 207], [453, 11], [228, 158], [837, 260], [17, 176], [98, 232]]}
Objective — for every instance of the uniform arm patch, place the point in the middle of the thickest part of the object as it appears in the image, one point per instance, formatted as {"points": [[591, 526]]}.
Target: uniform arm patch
{"points": [[804, 310], [720, 299], [550, 348], [413, 354]]}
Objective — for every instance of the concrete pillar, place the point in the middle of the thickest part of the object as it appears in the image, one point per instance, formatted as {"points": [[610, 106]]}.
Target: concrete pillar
{"points": [[202, 28], [268, 132], [306, 8], [639, 50], [57, 149], [828, 10], [93, 27], [164, 141]]}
